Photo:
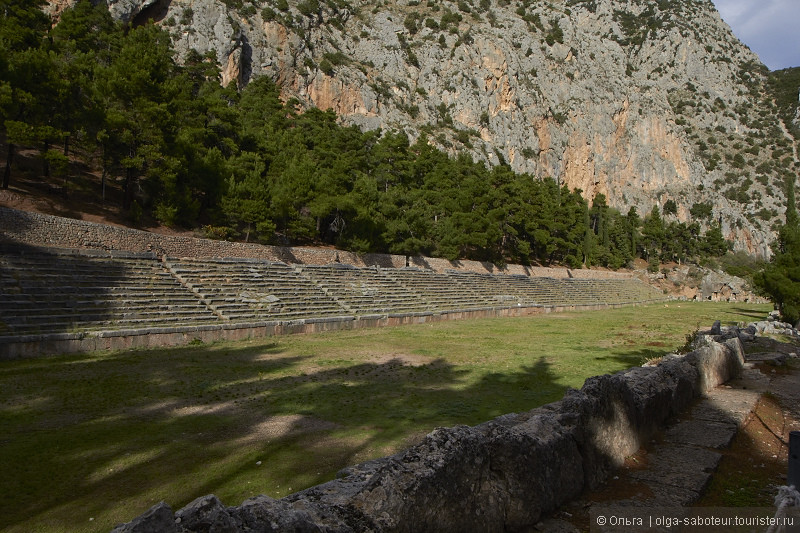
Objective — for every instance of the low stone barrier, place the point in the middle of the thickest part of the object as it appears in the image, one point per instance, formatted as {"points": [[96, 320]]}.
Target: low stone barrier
{"points": [[37, 345], [502, 475]]}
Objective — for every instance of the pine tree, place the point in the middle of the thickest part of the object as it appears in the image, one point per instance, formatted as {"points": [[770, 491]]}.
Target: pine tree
{"points": [[714, 243], [26, 74], [633, 223], [781, 278], [653, 235], [140, 92]]}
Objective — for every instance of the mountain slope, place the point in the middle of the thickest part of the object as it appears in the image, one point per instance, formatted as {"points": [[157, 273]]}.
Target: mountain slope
{"points": [[644, 102]]}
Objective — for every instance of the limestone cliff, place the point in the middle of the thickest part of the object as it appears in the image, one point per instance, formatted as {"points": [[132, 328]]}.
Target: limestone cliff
{"points": [[643, 101]]}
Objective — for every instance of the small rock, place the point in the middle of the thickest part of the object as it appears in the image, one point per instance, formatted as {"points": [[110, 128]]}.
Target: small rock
{"points": [[716, 329]]}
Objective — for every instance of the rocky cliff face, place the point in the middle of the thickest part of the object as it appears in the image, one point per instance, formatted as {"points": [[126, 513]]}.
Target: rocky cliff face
{"points": [[643, 101]]}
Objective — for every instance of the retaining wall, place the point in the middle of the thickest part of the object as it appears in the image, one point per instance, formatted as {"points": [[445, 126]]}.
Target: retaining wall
{"points": [[502, 475], [28, 346], [45, 230]]}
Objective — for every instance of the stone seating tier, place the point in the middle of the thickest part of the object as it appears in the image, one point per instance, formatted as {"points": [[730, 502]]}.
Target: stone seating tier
{"points": [[46, 291], [51, 291]]}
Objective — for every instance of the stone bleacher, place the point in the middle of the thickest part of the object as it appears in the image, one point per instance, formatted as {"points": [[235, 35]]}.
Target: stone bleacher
{"points": [[364, 291], [55, 291], [66, 291], [252, 290]]}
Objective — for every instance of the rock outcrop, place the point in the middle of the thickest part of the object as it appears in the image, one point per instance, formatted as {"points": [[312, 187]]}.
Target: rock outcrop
{"points": [[127, 10], [643, 102], [694, 282]]}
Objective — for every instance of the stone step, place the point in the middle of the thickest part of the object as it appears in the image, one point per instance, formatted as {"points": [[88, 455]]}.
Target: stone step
{"points": [[53, 315], [34, 311], [48, 327], [110, 291], [282, 315]]}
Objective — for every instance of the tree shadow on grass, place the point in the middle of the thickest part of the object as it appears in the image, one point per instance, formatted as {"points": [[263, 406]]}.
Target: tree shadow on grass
{"points": [[109, 435], [751, 313]]}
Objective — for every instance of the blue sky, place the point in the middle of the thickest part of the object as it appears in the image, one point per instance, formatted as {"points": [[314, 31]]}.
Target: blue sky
{"points": [[771, 28]]}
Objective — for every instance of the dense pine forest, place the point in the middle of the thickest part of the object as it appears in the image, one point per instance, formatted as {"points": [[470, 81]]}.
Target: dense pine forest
{"points": [[240, 163]]}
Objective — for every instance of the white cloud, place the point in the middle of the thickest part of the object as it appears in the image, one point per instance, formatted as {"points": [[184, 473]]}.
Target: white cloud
{"points": [[768, 27]]}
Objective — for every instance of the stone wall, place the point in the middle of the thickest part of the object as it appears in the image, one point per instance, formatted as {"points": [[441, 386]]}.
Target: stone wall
{"points": [[502, 475], [440, 265], [51, 231], [37, 345], [45, 230]]}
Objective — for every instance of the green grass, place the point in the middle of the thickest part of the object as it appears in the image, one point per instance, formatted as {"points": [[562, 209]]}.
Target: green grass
{"points": [[93, 440]]}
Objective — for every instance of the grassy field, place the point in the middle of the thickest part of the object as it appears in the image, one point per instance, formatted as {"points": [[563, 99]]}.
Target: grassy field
{"points": [[90, 441]]}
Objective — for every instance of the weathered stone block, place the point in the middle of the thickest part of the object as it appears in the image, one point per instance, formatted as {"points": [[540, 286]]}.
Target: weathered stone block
{"points": [[716, 363], [158, 519], [206, 513]]}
